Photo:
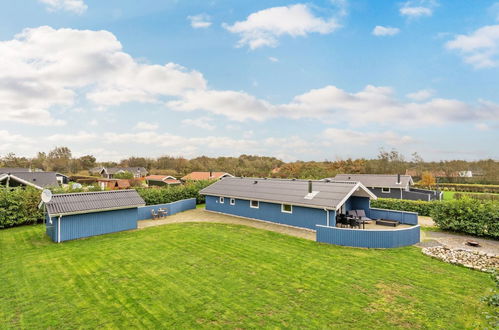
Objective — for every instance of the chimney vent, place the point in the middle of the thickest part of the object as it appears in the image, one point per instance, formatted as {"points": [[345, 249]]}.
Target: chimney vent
{"points": [[310, 186], [398, 178], [255, 182], [211, 174]]}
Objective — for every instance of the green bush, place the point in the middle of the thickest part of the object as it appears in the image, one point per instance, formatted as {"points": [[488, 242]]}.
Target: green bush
{"points": [[477, 188], [421, 207], [19, 207], [482, 196], [162, 195], [480, 218]]}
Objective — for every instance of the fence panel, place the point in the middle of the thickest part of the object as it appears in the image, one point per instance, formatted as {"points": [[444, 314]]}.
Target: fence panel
{"points": [[171, 208]]}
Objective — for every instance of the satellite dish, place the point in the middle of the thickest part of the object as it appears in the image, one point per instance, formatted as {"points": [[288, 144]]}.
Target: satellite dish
{"points": [[46, 195]]}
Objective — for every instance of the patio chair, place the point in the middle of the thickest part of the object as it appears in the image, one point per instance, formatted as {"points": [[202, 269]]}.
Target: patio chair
{"points": [[154, 215], [353, 222], [352, 213], [343, 220], [362, 215]]}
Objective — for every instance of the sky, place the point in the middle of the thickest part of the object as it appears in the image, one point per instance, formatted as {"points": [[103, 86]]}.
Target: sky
{"points": [[315, 80]]}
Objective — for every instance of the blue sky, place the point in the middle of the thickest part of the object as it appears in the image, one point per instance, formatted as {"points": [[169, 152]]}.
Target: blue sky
{"points": [[314, 80]]}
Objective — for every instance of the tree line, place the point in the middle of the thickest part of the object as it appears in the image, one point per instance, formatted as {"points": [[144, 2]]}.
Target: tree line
{"points": [[60, 159]]}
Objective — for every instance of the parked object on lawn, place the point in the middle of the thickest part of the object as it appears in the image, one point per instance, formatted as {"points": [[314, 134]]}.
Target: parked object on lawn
{"points": [[390, 186], [77, 215], [314, 205]]}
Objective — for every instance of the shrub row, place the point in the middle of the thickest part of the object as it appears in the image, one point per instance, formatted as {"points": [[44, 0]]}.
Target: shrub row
{"points": [[19, 207], [483, 196], [481, 188], [162, 195], [468, 216], [421, 207]]}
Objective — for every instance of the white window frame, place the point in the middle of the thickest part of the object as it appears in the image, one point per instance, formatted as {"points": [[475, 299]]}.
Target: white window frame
{"points": [[257, 204], [385, 190], [284, 211], [221, 200], [232, 201]]}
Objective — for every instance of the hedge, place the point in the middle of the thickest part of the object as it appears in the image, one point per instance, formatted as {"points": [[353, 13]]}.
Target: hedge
{"points": [[480, 218], [421, 207], [162, 195], [481, 188], [19, 207], [482, 196]]}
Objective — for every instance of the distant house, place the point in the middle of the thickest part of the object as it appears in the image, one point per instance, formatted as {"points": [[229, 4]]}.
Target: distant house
{"points": [[198, 176], [113, 184], [161, 180], [390, 186], [61, 178], [38, 180], [110, 172]]}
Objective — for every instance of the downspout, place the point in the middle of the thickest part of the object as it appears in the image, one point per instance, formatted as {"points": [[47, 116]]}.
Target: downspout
{"points": [[327, 216], [59, 229]]}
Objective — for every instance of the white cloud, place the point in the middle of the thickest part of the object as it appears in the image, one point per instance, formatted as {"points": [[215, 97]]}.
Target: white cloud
{"points": [[421, 95], [350, 137], [75, 6], [200, 21], [273, 59], [79, 137], [418, 8], [331, 104], [482, 127], [263, 28], [385, 31], [201, 122], [145, 126], [479, 48], [494, 10], [42, 69]]}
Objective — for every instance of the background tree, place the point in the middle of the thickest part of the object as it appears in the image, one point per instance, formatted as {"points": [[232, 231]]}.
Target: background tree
{"points": [[427, 179]]}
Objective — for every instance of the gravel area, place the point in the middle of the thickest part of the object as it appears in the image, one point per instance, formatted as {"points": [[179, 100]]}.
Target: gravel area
{"points": [[457, 241], [201, 215]]}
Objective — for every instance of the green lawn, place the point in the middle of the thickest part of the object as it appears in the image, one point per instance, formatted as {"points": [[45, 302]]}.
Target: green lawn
{"points": [[449, 195], [213, 275]]}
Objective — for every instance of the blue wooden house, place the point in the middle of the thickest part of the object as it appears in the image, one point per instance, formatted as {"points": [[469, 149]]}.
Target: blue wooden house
{"points": [[77, 215], [313, 205]]}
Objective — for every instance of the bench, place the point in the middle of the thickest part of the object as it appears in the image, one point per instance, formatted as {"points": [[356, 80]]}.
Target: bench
{"points": [[389, 223]]}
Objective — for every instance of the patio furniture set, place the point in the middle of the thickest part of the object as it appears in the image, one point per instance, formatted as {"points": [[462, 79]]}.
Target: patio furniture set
{"points": [[358, 218], [160, 214]]}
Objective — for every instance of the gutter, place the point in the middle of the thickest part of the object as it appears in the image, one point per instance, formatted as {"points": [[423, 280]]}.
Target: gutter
{"points": [[327, 216], [59, 229]]}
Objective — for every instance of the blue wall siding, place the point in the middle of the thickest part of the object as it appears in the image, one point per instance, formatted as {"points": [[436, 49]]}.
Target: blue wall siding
{"points": [[359, 203], [368, 238], [172, 208], [301, 217], [97, 223], [410, 218]]}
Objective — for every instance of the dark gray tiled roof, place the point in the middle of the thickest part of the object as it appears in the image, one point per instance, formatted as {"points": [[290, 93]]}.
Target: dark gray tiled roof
{"points": [[93, 201], [376, 180], [329, 194], [13, 169], [38, 179]]}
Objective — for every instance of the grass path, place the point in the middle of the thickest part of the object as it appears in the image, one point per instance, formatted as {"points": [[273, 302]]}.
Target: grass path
{"points": [[218, 275]]}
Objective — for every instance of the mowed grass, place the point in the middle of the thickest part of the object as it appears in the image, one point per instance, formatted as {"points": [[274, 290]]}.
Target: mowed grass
{"points": [[213, 275]]}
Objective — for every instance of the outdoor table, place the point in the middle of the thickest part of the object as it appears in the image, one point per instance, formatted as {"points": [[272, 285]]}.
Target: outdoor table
{"points": [[162, 212]]}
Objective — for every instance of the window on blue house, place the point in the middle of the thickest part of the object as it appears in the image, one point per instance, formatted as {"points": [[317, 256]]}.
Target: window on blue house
{"points": [[385, 190], [221, 200], [254, 204], [286, 208], [232, 201]]}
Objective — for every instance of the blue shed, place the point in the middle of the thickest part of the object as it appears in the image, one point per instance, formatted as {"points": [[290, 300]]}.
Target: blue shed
{"points": [[77, 215]]}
